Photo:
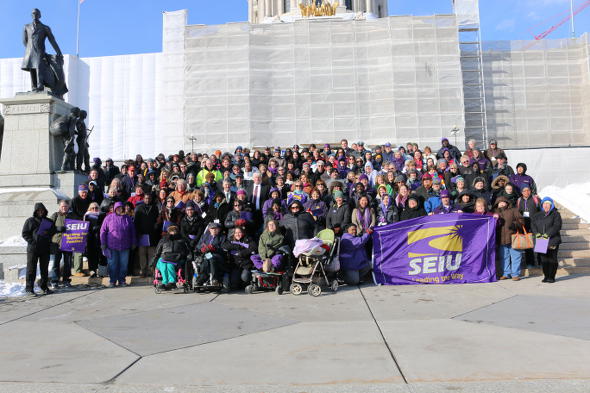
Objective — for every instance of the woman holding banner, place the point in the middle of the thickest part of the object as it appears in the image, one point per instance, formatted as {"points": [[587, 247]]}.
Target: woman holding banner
{"points": [[546, 226], [354, 263]]}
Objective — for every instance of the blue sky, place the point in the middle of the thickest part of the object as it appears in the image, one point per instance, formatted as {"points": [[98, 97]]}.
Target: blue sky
{"points": [[112, 27]]}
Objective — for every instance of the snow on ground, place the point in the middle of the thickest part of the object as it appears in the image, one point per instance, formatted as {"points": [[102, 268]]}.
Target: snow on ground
{"points": [[574, 197], [13, 241], [11, 289]]}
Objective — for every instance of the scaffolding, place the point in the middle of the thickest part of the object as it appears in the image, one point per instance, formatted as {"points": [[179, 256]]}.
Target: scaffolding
{"points": [[471, 56], [395, 79]]}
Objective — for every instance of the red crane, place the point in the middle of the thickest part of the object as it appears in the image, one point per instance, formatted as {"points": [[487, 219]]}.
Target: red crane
{"points": [[576, 11]]}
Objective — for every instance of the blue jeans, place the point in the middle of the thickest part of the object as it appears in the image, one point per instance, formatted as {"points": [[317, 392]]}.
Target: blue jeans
{"points": [[67, 269], [118, 265], [511, 259]]}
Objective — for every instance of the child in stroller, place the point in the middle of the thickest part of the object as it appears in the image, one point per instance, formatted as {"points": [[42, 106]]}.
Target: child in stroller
{"points": [[170, 260], [270, 262], [317, 264]]}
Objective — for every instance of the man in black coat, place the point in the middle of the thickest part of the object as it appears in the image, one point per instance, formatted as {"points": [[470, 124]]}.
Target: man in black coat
{"points": [[37, 231], [228, 194], [34, 36], [257, 194], [110, 171], [80, 205], [148, 232], [80, 202], [453, 150]]}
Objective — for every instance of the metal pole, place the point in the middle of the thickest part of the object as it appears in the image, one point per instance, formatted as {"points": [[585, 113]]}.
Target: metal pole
{"points": [[78, 29], [572, 16]]}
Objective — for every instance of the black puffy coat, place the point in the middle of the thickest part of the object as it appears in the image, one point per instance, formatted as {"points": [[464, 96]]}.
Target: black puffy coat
{"points": [[171, 249], [146, 222], [549, 224], [298, 226], [410, 213], [338, 216], [240, 251], [38, 242], [191, 230]]}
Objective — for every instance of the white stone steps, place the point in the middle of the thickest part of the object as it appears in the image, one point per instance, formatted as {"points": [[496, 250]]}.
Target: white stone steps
{"points": [[575, 262]]}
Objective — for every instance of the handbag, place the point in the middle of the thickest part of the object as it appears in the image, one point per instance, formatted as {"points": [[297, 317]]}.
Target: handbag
{"points": [[103, 271], [541, 244], [522, 241], [334, 265]]}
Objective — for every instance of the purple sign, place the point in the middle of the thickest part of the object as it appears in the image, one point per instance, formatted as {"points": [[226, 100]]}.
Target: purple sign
{"points": [[439, 249], [74, 238]]}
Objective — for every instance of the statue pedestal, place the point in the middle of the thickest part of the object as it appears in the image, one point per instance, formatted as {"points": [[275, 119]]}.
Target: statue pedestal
{"points": [[30, 159]]}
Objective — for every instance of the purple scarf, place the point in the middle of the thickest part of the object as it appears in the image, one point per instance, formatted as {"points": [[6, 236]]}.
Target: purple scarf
{"points": [[364, 218]]}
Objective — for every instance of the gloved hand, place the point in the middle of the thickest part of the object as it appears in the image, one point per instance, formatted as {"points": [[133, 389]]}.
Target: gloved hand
{"points": [[369, 230], [240, 222], [211, 248], [204, 248]]}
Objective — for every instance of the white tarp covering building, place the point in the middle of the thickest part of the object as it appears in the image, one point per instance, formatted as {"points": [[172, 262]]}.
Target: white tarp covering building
{"points": [[394, 79], [388, 79]]}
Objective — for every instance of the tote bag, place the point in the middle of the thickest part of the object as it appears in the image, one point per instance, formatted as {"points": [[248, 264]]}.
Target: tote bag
{"points": [[522, 241]]}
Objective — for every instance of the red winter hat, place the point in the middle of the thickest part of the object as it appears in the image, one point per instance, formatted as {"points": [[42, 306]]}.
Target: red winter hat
{"points": [[426, 176]]}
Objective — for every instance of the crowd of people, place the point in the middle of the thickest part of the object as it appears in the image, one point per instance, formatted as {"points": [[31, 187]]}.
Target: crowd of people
{"points": [[245, 210]]}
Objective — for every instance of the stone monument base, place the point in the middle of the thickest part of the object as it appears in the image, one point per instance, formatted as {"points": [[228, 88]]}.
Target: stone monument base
{"points": [[16, 203], [29, 168]]}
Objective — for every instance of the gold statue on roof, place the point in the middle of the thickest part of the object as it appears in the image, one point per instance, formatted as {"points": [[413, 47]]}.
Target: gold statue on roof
{"points": [[325, 8]]}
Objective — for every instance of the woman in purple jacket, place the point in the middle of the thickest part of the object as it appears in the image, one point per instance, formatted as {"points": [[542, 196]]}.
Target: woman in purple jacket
{"points": [[117, 237], [354, 263]]}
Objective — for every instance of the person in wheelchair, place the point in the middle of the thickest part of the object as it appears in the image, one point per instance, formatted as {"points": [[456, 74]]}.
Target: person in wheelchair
{"points": [[171, 253], [211, 255], [240, 248], [271, 249]]}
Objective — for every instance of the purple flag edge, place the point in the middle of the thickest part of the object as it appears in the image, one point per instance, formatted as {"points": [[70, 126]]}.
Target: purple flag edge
{"points": [[489, 255]]}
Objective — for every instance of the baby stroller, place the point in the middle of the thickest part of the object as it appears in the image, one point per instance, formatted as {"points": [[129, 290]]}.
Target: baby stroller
{"points": [[311, 270], [183, 274], [277, 281]]}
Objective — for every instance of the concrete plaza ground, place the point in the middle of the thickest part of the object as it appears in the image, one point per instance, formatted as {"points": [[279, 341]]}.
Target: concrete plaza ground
{"points": [[501, 337]]}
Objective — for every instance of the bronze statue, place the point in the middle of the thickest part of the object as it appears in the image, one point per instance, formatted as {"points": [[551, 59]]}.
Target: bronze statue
{"points": [[69, 134], [46, 70], [82, 140]]}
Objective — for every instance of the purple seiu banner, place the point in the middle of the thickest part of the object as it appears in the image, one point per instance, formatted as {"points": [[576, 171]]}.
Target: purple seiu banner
{"points": [[74, 238], [441, 249]]}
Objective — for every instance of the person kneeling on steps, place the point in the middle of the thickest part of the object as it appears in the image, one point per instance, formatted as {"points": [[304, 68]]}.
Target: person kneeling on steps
{"points": [[171, 252]]}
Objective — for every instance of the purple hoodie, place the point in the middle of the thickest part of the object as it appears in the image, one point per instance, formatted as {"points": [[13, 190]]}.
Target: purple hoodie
{"points": [[117, 232], [353, 255]]}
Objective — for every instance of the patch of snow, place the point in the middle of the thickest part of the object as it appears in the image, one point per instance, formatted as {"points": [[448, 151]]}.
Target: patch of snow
{"points": [[574, 197], [11, 289], [8, 190], [13, 241]]}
